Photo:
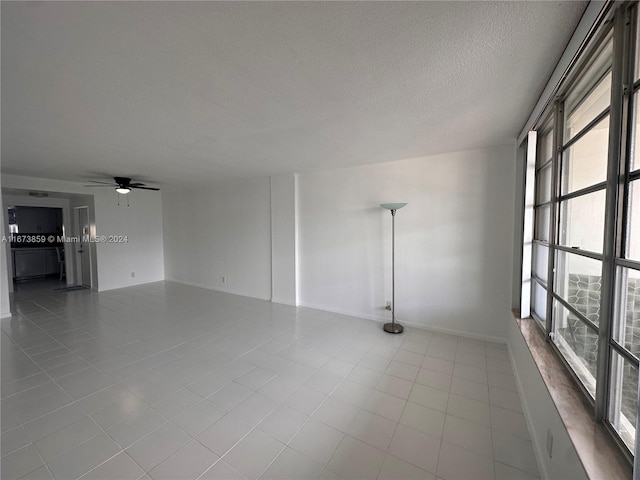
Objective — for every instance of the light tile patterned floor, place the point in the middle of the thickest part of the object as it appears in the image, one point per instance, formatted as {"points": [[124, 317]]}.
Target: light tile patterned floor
{"points": [[166, 381]]}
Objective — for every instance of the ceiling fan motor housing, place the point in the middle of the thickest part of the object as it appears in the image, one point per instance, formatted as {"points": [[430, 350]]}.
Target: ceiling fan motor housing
{"points": [[122, 181]]}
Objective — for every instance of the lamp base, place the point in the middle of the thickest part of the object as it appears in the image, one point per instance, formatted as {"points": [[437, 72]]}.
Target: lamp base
{"points": [[393, 328]]}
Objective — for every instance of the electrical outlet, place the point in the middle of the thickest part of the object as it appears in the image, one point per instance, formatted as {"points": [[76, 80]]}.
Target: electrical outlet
{"points": [[133, 274], [224, 279], [388, 307], [549, 442]]}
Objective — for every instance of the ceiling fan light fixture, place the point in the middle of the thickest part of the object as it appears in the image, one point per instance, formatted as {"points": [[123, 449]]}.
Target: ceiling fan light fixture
{"points": [[123, 190]]}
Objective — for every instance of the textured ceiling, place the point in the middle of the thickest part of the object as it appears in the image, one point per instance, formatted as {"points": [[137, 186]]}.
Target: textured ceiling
{"points": [[196, 92]]}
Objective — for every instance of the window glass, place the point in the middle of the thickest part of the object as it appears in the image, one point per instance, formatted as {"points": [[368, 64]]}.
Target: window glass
{"points": [[585, 162], [634, 164], [637, 49], [542, 223], [545, 147], [543, 185], [540, 261], [578, 344], [626, 326], [591, 95], [623, 404], [594, 103], [633, 221], [582, 221], [578, 280], [539, 300]]}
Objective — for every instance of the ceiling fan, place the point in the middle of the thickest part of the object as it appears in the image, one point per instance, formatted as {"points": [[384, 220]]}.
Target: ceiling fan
{"points": [[123, 185]]}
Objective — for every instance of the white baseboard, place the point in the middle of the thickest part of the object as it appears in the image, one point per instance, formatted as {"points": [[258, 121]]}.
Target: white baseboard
{"points": [[283, 302], [232, 292], [5, 315], [375, 318], [460, 333], [214, 289], [191, 284], [134, 284], [387, 318], [324, 308]]}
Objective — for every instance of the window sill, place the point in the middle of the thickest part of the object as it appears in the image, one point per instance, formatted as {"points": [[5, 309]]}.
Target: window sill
{"points": [[597, 451]]}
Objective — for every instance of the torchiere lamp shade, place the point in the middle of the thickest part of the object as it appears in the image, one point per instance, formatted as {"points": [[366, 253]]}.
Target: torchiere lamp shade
{"points": [[392, 206]]}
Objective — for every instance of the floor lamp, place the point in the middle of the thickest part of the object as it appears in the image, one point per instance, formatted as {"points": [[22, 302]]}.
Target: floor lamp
{"points": [[393, 327]]}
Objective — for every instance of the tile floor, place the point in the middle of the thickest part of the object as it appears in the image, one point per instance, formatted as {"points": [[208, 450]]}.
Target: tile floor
{"points": [[166, 381]]}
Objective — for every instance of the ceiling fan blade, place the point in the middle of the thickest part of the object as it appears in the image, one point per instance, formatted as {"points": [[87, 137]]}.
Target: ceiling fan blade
{"points": [[122, 182]]}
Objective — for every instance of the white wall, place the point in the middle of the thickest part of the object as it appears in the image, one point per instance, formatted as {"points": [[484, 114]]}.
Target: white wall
{"points": [[220, 231], [283, 239], [542, 414], [141, 222], [453, 240]]}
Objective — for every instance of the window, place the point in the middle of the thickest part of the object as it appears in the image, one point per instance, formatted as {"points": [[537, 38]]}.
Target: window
{"points": [[585, 265], [541, 232], [625, 340]]}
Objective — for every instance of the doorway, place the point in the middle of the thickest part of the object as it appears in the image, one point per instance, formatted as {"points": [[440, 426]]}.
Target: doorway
{"points": [[83, 246], [35, 243]]}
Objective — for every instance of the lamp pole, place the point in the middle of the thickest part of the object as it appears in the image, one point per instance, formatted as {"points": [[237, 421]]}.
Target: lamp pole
{"points": [[393, 327], [393, 267]]}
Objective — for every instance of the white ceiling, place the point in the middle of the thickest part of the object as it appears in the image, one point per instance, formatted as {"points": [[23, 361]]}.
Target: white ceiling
{"points": [[196, 92]]}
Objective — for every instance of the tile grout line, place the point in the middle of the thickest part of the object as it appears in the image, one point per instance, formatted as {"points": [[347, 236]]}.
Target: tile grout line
{"points": [[316, 348]]}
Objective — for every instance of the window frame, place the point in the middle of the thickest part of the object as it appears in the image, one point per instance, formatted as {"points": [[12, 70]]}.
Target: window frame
{"points": [[621, 23]]}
